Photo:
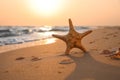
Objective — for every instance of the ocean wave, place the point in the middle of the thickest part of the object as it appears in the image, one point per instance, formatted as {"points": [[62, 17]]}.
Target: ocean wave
{"points": [[20, 34]]}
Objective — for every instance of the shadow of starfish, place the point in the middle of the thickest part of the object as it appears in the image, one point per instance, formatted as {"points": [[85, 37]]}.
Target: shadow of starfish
{"points": [[89, 69]]}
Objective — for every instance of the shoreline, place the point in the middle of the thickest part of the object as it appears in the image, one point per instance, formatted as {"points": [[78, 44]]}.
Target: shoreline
{"points": [[12, 47]]}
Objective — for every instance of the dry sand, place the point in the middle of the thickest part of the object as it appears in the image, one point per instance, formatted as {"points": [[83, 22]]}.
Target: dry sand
{"points": [[45, 63]]}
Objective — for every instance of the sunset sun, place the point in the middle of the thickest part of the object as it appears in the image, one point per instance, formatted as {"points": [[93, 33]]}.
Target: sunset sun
{"points": [[45, 7]]}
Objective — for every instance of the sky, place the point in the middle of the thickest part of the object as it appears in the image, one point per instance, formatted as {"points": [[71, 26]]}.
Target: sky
{"points": [[82, 12]]}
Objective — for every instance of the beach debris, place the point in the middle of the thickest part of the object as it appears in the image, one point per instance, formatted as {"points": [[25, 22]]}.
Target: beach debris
{"points": [[66, 61], [73, 38], [20, 58], [116, 55], [106, 52], [35, 59]]}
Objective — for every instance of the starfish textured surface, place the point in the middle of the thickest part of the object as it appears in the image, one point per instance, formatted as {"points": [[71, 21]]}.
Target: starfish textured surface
{"points": [[73, 38]]}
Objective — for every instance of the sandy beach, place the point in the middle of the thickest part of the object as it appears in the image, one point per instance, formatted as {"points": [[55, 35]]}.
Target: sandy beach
{"points": [[43, 62]]}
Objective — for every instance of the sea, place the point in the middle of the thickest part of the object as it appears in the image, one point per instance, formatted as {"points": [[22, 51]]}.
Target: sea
{"points": [[10, 35]]}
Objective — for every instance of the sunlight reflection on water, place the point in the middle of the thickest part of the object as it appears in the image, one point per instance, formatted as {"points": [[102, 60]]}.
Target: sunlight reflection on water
{"points": [[48, 41], [44, 35]]}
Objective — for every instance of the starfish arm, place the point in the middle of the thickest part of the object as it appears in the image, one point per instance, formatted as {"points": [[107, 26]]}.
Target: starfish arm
{"points": [[71, 26], [80, 46], [67, 51], [59, 36], [83, 49], [86, 33]]}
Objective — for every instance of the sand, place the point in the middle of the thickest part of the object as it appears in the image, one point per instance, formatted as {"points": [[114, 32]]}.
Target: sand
{"points": [[43, 62]]}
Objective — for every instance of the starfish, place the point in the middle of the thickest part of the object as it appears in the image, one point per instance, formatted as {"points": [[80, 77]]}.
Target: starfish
{"points": [[73, 38]]}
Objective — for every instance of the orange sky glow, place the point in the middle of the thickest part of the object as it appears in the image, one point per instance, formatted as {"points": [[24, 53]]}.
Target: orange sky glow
{"points": [[51, 12]]}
